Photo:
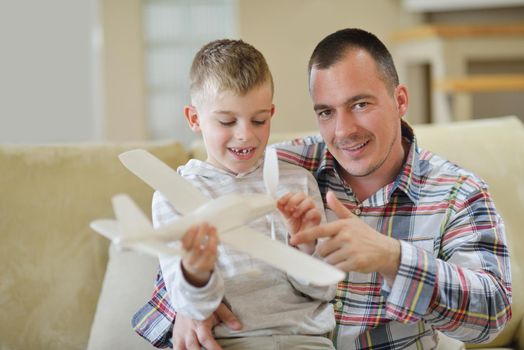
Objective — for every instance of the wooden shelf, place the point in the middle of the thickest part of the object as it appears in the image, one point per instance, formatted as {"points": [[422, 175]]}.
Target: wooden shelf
{"points": [[455, 31], [482, 83]]}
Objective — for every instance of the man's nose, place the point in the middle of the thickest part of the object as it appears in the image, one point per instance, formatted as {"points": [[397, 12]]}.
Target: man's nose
{"points": [[345, 124]]}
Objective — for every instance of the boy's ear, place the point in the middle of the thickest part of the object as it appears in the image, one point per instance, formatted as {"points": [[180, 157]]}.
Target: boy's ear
{"points": [[272, 109], [191, 115]]}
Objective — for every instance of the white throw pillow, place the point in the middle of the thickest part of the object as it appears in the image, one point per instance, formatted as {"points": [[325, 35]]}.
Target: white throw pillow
{"points": [[128, 285]]}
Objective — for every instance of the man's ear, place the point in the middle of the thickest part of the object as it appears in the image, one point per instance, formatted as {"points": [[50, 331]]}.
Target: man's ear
{"points": [[191, 114], [401, 99]]}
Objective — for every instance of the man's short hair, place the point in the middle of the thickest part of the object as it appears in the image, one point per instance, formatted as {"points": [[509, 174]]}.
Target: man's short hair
{"points": [[334, 46], [227, 65]]}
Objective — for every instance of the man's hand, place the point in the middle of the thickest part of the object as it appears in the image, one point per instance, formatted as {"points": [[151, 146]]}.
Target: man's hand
{"points": [[189, 334], [352, 245]]}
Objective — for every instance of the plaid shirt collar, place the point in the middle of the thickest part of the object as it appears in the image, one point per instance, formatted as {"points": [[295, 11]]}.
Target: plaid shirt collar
{"points": [[408, 180]]}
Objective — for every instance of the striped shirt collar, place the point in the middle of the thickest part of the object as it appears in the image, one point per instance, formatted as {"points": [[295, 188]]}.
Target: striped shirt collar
{"points": [[408, 180]]}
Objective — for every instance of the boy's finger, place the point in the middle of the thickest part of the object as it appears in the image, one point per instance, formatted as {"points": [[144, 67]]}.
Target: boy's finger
{"points": [[282, 202], [296, 199], [187, 239], [284, 198], [303, 207], [200, 238], [212, 242], [312, 216]]}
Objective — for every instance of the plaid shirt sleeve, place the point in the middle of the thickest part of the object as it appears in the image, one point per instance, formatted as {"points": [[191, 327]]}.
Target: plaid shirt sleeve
{"points": [[466, 291], [154, 321]]}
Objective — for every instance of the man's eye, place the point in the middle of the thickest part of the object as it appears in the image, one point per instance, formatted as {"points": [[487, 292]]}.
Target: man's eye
{"points": [[227, 123], [360, 106], [325, 114]]}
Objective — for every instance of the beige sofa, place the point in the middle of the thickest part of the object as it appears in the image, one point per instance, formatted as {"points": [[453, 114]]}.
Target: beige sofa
{"points": [[62, 288]]}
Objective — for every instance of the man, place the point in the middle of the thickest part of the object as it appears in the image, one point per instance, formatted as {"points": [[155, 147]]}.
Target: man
{"points": [[420, 238]]}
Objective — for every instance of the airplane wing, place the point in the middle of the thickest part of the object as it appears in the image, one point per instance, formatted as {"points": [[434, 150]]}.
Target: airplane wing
{"points": [[181, 193], [286, 258], [109, 228]]}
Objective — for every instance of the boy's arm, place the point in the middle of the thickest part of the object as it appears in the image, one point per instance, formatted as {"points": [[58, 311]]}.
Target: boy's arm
{"points": [[311, 218], [196, 302]]}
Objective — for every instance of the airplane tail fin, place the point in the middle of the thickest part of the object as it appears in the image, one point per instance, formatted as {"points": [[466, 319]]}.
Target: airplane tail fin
{"points": [[106, 227], [131, 220], [132, 229]]}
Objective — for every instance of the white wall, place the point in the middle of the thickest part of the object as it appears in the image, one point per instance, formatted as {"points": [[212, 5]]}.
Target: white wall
{"points": [[48, 71], [286, 32]]}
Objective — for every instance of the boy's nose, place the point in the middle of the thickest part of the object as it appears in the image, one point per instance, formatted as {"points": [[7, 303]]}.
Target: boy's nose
{"points": [[243, 132]]}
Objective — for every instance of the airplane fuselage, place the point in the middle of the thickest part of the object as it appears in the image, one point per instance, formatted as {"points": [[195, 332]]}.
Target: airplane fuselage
{"points": [[224, 213]]}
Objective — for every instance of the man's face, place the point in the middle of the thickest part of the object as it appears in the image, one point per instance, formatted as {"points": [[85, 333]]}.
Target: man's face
{"points": [[235, 128], [358, 117]]}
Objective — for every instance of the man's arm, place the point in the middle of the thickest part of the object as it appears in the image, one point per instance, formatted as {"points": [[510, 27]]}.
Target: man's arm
{"points": [[468, 287], [465, 292]]}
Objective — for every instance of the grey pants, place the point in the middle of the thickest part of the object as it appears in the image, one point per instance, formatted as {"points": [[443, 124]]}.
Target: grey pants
{"points": [[277, 342]]}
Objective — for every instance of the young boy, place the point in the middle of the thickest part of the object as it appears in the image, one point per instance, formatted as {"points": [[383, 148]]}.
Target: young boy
{"points": [[231, 105]]}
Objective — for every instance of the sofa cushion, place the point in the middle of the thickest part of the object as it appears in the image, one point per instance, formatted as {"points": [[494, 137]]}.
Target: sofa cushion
{"points": [[52, 264], [494, 150], [128, 284]]}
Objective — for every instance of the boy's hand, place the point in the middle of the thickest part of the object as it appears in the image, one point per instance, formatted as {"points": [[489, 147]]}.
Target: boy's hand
{"points": [[200, 242], [301, 213]]}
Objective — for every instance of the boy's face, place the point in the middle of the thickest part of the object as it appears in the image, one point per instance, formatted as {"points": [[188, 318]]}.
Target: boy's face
{"points": [[235, 128]]}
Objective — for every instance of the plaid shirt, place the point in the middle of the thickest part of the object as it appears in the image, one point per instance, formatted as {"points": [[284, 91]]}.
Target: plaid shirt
{"points": [[454, 273]]}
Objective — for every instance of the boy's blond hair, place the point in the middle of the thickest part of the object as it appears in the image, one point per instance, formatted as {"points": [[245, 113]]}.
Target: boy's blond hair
{"points": [[227, 65]]}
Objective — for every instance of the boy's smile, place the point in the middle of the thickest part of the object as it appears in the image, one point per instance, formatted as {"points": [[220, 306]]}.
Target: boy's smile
{"points": [[243, 153], [235, 127]]}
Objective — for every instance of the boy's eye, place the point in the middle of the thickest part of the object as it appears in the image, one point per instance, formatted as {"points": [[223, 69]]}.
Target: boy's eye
{"points": [[227, 122], [259, 122]]}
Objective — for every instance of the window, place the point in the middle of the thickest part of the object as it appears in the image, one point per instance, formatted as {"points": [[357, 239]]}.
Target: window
{"points": [[174, 30]]}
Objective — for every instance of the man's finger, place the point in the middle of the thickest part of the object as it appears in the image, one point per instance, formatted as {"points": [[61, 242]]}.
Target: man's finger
{"points": [[178, 344], [310, 235], [225, 315], [192, 344], [338, 208], [207, 340]]}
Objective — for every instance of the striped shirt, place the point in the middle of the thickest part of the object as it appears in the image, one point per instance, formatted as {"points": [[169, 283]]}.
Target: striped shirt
{"points": [[454, 273]]}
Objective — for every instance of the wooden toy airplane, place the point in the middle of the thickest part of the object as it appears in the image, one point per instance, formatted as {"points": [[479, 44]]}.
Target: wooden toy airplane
{"points": [[229, 214]]}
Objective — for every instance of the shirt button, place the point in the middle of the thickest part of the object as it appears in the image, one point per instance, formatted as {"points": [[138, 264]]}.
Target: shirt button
{"points": [[357, 211], [338, 305]]}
